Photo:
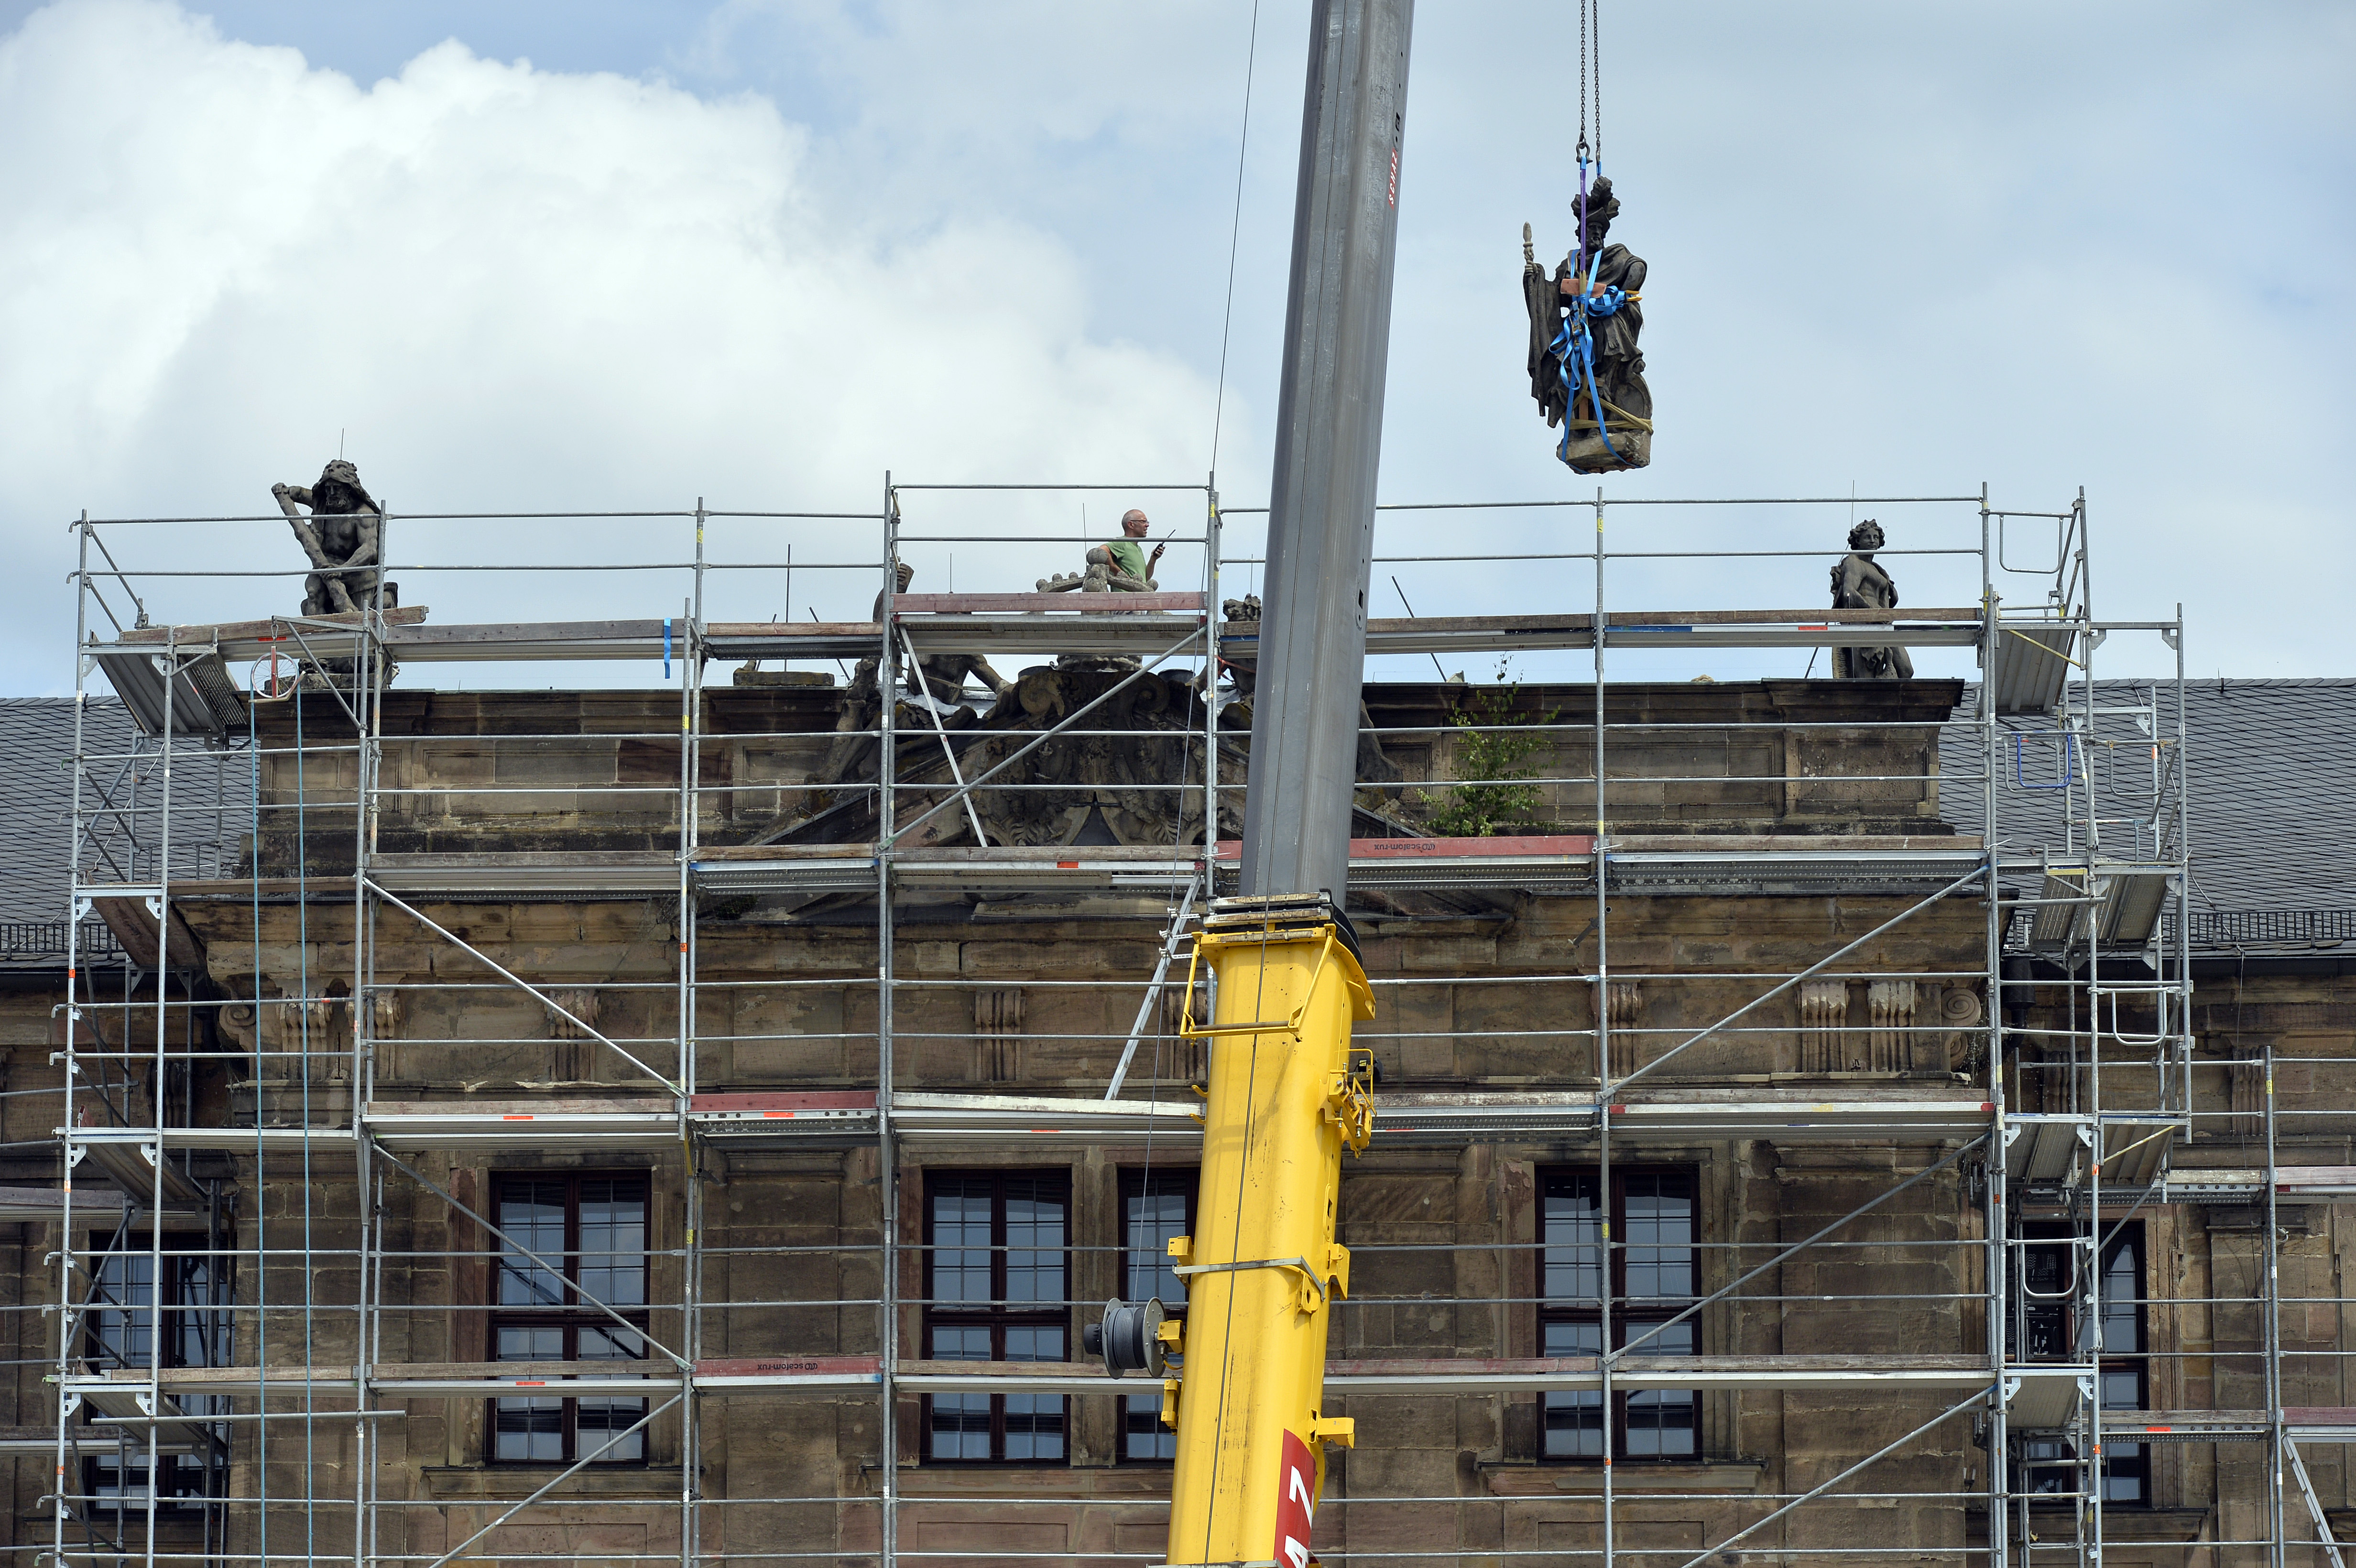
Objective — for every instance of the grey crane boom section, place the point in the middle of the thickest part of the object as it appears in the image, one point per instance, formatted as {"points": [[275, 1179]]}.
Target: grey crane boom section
{"points": [[1338, 331]]}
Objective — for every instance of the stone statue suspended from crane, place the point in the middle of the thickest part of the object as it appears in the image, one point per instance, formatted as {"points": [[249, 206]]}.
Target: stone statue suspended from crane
{"points": [[1584, 322]]}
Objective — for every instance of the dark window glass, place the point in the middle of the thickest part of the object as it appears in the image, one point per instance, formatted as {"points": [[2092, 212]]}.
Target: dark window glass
{"points": [[571, 1245], [996, 1265], [1155, 1207], [127, 1315], [1653, 1273], [2048, 1324]]}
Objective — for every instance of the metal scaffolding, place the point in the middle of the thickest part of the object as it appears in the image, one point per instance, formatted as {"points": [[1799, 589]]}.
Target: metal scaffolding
{"points": [[2085, 915]]}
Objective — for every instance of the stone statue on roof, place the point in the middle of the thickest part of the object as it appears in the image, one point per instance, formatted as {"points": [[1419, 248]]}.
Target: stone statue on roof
{"points": [[341, 536], [1584, 322], [1859, 583]]}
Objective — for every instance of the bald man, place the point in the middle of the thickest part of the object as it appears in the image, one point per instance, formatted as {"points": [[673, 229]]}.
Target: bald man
{"points": [[1129, 556]]}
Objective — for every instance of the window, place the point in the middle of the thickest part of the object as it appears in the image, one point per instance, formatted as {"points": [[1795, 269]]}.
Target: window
{"points": [[994, 1291], [589, 1235], [2046, 1326], [121, 1327], [1652, 1273], [1154, 1207]]}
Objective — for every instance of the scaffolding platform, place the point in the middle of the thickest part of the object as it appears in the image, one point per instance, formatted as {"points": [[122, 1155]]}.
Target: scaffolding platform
{"points": [[1576, 1103], [1136, 625]]}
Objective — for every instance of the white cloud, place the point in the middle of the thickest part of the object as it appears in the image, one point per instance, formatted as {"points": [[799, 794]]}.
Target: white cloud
{"points": [[1915, 247], [514, 289]]}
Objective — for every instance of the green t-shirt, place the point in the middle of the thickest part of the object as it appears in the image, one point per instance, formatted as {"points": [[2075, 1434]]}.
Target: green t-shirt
{"points": [[1129, 556]]}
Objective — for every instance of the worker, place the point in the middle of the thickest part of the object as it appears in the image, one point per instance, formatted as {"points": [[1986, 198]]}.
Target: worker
{"points": [[1120, 566], [1129, 555]]}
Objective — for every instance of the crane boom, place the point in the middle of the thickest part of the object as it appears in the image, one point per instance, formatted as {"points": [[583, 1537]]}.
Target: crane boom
{"points": [[1287, 1092]]}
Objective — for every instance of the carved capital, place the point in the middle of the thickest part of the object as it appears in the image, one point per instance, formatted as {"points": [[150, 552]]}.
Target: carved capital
{"points": [[1824, 1025]]}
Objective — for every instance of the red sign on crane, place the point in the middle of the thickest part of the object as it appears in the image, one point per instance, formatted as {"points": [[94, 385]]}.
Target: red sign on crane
{"points": [[1295, 1504]]}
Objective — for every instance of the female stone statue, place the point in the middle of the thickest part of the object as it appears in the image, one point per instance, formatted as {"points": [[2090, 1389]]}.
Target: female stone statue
{"points": [[1860, 583]]}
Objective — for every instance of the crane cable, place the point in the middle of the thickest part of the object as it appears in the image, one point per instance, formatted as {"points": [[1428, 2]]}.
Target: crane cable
{"points": [[1573, 349], [1235, 233]]}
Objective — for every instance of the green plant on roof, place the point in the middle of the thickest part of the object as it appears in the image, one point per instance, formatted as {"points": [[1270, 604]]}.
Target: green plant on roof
{"points": [[1495, 752]]}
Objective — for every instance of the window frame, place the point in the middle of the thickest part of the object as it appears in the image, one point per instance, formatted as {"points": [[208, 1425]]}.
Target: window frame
{"points": [[996, 1315], [2125, 1461], [1628, 1312], [570, 1317], [1186, 1182], [216, 1323]]}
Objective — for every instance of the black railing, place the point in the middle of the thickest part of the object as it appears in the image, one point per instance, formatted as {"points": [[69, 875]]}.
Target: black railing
{"points": [[31, 940], [2245, 927]]}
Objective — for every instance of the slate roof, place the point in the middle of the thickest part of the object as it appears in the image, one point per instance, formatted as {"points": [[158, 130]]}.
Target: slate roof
{"points": [[36, 740], [2271, 764]]}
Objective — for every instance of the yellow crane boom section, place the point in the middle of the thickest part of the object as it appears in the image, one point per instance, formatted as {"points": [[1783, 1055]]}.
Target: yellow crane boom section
{"points": [[1287, 1094]]}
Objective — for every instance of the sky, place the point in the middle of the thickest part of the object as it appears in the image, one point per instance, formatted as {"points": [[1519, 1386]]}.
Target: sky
{"points": [[606, 258]]}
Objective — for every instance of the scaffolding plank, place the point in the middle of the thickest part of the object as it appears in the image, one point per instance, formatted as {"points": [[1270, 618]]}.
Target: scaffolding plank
{"points": [[1071, 601], [1802, 1121], [2030, 665], [1807, 866], [127, 1400], [94, 1208], [1472, 1376], [633, 1124], [128, 1156], [2187, 1425], [582, 871], [1046, 622]]}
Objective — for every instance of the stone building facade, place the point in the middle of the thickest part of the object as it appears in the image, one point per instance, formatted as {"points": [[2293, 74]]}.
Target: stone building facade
{"points": [[551, 1189]]}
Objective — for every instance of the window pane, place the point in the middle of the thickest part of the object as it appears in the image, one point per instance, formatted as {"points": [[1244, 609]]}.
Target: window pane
{"points": [[960, 1344], [1660, 1233], [596, 1423], [611, 1342], [1142, 1436], [613, 1242], [124, 1327], [2123, 1462], [530, 1431], [961, 1428], [1038, 1344], [109, 1479], [528, 1343], [2122, 1300], [1034, 1244], [1151, 1219], [1573, 1232], [1034, 1421], [1662, 1421], [531, 1214], [961, 1241], [1574, 1419]]}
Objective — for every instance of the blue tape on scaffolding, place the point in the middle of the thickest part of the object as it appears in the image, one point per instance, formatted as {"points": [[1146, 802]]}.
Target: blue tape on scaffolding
{"points": [[2070, 771], [666, 647]]}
